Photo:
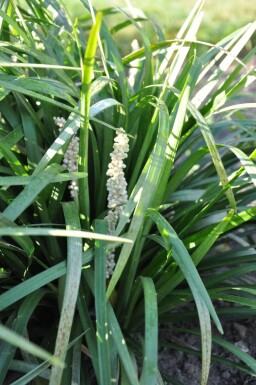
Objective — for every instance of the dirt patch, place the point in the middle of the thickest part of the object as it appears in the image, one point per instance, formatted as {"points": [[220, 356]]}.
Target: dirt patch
{"points": [[186, 367]]}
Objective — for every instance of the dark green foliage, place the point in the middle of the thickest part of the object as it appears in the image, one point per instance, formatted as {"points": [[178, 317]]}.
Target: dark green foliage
{"points": [[186, 231]]}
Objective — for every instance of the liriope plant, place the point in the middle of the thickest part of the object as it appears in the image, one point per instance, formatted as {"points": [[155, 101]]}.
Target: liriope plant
{"points": [[123, 174]]}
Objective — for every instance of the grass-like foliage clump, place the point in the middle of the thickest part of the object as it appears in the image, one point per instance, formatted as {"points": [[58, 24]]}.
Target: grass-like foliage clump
{"points": [[127, 193]]}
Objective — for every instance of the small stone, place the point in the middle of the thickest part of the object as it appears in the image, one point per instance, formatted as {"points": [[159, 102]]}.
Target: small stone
{"points": [[241, 329], [243, 346], [226, 375]]}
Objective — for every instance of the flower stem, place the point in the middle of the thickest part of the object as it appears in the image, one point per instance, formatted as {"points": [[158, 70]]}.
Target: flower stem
{"points": [[87, 76]]}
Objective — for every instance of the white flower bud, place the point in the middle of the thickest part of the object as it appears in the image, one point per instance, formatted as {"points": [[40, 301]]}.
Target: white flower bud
{"points": [[70, 158], [60, 122], [116, 187]]}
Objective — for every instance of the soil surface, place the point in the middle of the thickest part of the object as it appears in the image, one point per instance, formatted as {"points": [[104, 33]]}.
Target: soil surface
{"points": [[186, 368]]}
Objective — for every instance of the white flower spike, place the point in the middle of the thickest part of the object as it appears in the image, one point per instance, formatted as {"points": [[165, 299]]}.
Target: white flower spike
{"points": [[70, 157], [117, 189]]}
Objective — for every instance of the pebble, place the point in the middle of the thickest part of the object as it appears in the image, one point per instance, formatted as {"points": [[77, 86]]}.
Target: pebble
{"points": [[243, 346]]}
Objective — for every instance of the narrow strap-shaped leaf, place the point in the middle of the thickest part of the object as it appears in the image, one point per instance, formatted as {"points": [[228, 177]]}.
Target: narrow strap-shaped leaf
{"points": [[30, 192], [12, 159], [41, 58], [206, 337], [231, 273], [237, 219], [76, 362], [250, 302], [11, 139], [163, 169], [187, 32], [30, 135], [215, 197], [3, 6], [122, 349], [32, 374], [142, 196], [49, 231], [209, 140], [102, 332], [11, 21], [207, 242], [183, 259], [246, 161], [101, 105], [176, 122], [13, 87], [184, 168], [244, 357], [46, 86], [40, 126], [32, 284], [25, 180], [148, 64], [150, 357], [238, 42], [89, 331], [201, 297], [12, 338], [114, 56], [70, 129], [22, 343], [24, 242], [74, 266]]}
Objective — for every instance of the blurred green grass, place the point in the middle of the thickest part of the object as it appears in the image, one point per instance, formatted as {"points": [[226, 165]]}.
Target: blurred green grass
{"points": [[221, 16]]}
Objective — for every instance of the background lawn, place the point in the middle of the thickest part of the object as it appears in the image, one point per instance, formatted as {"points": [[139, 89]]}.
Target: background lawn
{"points": [[221, 16]]}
